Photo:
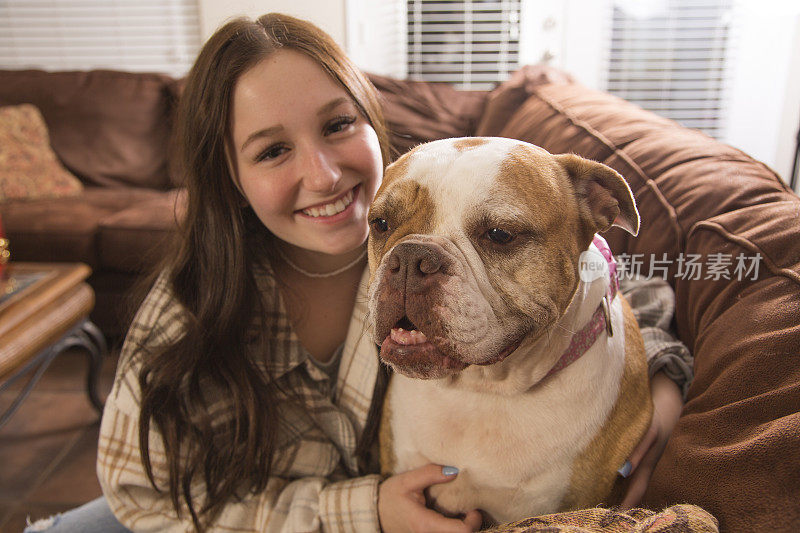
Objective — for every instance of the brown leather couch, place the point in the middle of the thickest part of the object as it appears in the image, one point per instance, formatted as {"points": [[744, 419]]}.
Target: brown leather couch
{"points": [[112, 130], [736, 449]]}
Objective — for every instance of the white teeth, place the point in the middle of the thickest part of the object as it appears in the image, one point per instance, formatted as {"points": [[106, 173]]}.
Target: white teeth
{"points": [[407, 337], [331, 209]]}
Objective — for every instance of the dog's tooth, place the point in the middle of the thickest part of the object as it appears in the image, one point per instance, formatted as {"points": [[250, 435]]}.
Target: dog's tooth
{"points": [[339, 206], [407, 337], [397, 335]]}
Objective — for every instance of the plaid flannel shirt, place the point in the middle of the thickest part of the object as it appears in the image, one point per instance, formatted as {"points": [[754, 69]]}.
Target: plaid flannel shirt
{"points": [[653, 303], [317, 483]]}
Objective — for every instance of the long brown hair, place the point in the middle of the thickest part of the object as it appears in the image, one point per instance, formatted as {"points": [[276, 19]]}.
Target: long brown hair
{"points": [[211, 275]]}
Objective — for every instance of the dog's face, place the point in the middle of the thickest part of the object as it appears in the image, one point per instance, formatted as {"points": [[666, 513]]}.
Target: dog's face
{"points": [[474, 247]]}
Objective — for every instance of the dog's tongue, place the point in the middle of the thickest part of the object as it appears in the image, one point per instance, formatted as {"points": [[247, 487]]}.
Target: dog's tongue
{"points": [[406, 337]]}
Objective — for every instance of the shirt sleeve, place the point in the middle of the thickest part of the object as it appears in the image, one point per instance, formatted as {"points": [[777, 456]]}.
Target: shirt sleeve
{"points": [[653, 303], [292, 505]]}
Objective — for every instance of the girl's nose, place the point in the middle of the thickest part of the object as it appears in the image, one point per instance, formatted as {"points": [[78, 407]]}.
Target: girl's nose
{"points": [[320, 171]]}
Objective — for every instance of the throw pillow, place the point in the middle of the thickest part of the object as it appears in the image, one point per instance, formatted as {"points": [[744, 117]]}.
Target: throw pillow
{"points": [[29, 168]]}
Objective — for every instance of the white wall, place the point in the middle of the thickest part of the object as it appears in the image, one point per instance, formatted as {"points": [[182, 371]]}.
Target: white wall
{"points": [[790, 123], [765, 96], [376, 36], [327, 14], [569, 34], [371, 32]]}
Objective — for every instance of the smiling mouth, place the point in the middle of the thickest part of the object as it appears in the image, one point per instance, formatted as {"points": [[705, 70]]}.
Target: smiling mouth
{"points": [[332, 208]]}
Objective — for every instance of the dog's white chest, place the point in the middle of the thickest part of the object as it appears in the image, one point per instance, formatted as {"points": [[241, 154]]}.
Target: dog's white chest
{"points": [[515, 453]]}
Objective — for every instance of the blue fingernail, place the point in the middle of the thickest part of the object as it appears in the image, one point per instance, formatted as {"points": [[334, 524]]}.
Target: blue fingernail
{"points": [[449, 470], [625, 471]]}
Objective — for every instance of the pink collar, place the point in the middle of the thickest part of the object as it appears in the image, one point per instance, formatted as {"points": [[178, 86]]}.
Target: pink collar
{"points": [[601, 319]]}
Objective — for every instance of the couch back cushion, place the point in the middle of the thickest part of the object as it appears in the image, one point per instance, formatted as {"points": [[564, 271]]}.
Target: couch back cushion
{"points": [[109, 128], [737, 444], [417, 112], [503, 102]]}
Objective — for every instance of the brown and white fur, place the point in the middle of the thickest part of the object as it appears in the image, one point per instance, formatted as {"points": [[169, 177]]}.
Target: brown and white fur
{"points": [[492, 318]]}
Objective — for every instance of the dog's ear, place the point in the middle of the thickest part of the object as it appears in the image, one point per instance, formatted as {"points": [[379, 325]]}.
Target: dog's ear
{"points": [[603, 192]]}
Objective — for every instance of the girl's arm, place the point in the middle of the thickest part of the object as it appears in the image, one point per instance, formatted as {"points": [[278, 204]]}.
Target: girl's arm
{"points": [[670, 368]]}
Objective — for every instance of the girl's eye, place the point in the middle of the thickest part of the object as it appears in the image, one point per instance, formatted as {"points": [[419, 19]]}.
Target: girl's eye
{"points": [[339, 124], [276, 150]]}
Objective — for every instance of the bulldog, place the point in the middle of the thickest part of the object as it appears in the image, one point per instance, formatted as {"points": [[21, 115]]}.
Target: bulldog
{"points": [[496, 305]]}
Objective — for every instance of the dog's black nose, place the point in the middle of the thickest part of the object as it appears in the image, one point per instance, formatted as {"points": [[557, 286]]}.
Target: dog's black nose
{"points": [[415, 266]]}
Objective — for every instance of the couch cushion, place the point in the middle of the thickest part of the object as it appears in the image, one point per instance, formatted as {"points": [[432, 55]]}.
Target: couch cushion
{"points": [[174, 166], [417, 112], [736, 447], [503, 102], [133, 239], [28, 167], [109, 128], [65, 229]]}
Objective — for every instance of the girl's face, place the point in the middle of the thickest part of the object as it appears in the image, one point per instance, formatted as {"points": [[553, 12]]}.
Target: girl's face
{"points": [[307, 161]]}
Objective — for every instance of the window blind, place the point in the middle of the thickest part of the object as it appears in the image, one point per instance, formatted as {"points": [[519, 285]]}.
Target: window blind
{"points": [[674, 61], [471, 44], [134, 35]]}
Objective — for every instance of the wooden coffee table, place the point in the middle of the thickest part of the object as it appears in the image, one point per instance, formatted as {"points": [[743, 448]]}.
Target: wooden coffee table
{"points": [[46, 314]]}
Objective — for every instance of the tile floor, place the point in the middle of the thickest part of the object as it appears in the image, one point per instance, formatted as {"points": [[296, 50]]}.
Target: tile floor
{"points": [[48, 448]]}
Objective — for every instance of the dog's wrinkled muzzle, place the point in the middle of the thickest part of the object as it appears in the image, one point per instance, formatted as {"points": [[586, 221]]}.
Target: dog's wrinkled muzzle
{"points": [[411, 331]]}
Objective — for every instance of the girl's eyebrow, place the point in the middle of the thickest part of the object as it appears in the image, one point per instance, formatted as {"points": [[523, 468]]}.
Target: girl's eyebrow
{"points": [[333, 104], [267, 132]]}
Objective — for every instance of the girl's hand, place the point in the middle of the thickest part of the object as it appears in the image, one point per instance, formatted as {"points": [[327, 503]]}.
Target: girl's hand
{"points": [[667, 406], [401, 504]]}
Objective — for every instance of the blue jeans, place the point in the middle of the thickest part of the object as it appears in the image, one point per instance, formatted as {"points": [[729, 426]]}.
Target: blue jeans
{"points": [[93, 517]]}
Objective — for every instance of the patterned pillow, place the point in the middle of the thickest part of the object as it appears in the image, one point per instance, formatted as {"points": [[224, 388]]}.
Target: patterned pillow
{"points": [[28, 166]]}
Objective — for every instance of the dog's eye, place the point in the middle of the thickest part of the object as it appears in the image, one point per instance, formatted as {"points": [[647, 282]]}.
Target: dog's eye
{"points": [[379, 225], [499, 236]]}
